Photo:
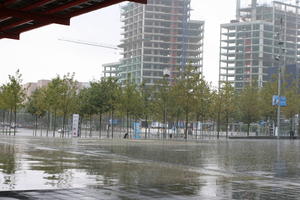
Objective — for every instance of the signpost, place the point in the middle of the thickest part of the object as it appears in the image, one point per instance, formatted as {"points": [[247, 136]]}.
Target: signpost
{"points": [[279, 101], [137, 130], [75, 132]]}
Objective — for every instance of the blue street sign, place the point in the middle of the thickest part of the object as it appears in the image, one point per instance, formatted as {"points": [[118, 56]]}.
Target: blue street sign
{"points": [[137, 130], [279, 101], [114, 121], [262, 123]]}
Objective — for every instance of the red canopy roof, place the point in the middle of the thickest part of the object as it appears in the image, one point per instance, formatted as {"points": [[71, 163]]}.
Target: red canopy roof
{"points": [[17, 16]]}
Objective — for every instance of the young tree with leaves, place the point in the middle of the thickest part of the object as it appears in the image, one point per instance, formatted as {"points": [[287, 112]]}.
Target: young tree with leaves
{"points": [[67, 100], [146, 104], [99, 99], [248, 105], [228, 104], [203, 101], [186, 87], [3, 106], [113, 91], [130, 102], [14, 96], [293, 103], [161, 103], [35, 106], [52, 97], [85, 106], [268, 111]]}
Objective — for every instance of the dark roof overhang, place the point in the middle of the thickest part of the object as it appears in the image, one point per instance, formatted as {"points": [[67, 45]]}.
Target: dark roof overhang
{"points": [[18, 16]]}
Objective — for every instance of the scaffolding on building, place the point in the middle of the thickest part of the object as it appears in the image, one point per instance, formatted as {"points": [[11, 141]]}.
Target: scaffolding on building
{"points": [[159, 37], [249, 44]]}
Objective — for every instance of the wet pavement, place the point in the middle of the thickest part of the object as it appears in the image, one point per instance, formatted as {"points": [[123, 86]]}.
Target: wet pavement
{"points": [[56, 168]]}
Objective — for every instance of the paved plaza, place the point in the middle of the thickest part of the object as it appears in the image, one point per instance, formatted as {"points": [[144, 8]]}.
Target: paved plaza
{"points": [[56, 168]]}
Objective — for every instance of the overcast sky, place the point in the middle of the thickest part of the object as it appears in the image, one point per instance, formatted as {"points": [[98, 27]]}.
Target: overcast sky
{"points": [[40, 55]]}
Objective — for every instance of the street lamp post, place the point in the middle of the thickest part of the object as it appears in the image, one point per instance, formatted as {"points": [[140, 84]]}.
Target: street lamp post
{"points": [[278, 103], [166, 75], [279, 58]]}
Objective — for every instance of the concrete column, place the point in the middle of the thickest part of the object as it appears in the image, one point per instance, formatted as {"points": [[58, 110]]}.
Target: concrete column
{"points": [[238, 7], [253, 12]]}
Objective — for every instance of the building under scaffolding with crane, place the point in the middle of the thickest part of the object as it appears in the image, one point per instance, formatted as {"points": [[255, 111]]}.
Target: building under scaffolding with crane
{"points": [[265, 34], [158, 39]]}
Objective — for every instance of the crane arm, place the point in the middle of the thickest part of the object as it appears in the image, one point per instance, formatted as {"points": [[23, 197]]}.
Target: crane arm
{"points": [[89, 43]]}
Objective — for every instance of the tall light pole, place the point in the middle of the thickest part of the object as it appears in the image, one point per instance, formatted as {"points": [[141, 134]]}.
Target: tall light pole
{"points": [[278, 103], [166, 75], [280, 43]]}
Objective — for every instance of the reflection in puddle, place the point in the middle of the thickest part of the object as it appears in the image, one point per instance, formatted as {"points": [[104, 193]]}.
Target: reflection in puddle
{"points": [[168, 169]]}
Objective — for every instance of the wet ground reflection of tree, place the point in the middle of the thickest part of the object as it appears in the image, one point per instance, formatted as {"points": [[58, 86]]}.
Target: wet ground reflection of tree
{"points": [[8, 164], [56, 165]]}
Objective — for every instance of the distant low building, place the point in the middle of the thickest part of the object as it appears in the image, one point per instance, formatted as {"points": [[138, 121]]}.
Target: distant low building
{"points": [[32, 86], [82, 85], [111, 69]]}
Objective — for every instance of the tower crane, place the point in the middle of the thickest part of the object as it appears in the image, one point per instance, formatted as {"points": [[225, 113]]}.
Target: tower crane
{"points": [[90, 43]]}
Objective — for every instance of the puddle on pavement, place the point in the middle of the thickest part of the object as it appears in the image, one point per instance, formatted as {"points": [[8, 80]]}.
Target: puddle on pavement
{"points": [[187, 170]]}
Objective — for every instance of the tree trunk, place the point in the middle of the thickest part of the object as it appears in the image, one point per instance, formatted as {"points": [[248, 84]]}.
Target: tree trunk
{"points": [[80, 126], [100, 124], [197, 122], [64, 125], [164, 128], [107, 131], [41, 127], [298, 125], [36, 125], [146, 126], [15, 120], [291, 124], [112, 124], [227, 123], [186, 124], [3, 122], [177, 127], [127, 121], [54, 123], [10, 120], [130, 123], [90, 134], [48, 123], [86, 128], [248, 129], [218, 124]]}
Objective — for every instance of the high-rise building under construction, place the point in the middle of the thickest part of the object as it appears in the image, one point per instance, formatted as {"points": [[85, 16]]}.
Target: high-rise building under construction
{"points": [[159, 38], [264, 34]]}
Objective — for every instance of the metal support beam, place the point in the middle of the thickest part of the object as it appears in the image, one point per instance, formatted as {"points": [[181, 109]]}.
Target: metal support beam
{"points": [[65, 6], [5, 12], [139, 1], [37, 4], [9, 35], [31, 6], [103, 5], [29, 15], [7, 2], [30, 28], [95, 7]]}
